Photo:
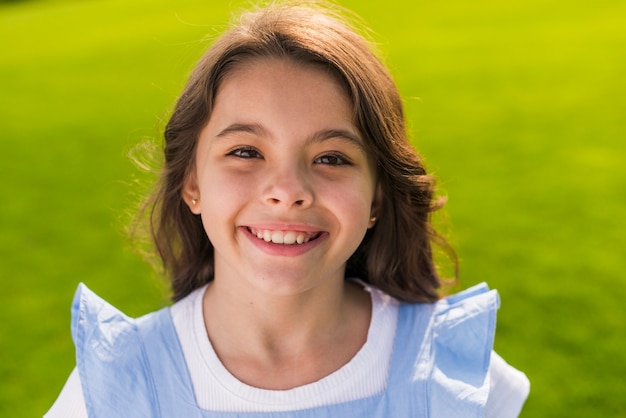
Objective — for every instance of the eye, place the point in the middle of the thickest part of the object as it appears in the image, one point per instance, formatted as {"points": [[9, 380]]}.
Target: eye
{"points": [[245, 153], [332, 159]]}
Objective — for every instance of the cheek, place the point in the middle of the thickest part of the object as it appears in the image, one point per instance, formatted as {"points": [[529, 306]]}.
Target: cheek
{"points": [[222, 197], [353, 202], [223, 185]]}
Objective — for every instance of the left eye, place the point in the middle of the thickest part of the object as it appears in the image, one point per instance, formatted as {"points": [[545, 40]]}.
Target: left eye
{"points": [[245, 153], [332, 159]]}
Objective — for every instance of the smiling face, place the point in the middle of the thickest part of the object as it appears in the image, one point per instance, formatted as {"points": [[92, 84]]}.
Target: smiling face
{"points": [[282, 181]]}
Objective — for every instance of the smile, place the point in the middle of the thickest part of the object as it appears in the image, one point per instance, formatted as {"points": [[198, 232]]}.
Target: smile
{"points": [[284, 237]]}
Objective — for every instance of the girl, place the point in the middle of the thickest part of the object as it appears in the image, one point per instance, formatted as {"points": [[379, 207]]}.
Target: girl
{"points": [[293, 217]]}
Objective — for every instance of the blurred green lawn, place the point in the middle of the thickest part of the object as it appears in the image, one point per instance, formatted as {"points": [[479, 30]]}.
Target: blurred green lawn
{"points": [[518, 108]]}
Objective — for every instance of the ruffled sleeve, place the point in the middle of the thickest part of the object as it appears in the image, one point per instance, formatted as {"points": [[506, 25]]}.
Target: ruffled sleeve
{"points": [[463, 333], [109, 356], [445, 348]]}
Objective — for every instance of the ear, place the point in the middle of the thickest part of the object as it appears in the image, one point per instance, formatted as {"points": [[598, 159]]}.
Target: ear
{"points": [[191, 193], [377, 203]]}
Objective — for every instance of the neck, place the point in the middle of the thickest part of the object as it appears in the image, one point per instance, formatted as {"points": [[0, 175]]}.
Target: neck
{"points": [[274, 320], [282, 341]]}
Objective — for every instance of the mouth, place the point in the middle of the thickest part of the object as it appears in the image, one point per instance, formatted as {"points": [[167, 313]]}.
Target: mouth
{"points": [[284, 237]]}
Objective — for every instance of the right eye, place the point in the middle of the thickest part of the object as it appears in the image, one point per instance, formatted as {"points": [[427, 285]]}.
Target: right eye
{"points": [[245, 153]]}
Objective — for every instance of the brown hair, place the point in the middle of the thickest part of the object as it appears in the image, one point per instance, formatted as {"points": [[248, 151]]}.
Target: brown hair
{"points": [[395, 255]]}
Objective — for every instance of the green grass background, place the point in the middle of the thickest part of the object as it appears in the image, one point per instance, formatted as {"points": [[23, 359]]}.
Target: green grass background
{"points": [[517, 106]]}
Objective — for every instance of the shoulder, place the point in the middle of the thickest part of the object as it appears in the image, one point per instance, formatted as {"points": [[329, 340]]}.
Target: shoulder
{"points": [[107, 342], [94, 318], [508, 389], [70, 403], [447, 346], [111, 353], [103, 334], [465, 321], [459, 331]]}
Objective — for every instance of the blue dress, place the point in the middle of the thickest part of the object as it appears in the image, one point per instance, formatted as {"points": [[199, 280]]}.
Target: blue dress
{"points": [[439, 367]]}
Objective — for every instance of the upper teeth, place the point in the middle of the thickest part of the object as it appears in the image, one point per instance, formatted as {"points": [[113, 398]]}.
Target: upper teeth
{"points": [[282, 237]]}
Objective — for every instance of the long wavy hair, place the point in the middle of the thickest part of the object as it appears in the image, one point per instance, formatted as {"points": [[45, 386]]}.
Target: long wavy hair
{"points": [[396, 255]]}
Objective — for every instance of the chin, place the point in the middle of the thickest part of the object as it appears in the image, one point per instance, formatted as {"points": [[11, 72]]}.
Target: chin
{"points": [[284, 284]]}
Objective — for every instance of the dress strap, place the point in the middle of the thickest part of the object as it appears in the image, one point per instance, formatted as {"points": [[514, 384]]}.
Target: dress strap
{"points": [[174, 390]]}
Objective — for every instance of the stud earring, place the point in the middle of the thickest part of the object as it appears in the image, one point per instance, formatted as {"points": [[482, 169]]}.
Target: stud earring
{"points": [[373, 219], [194, 202]]}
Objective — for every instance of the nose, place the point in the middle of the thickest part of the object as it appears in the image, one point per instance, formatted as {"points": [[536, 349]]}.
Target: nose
{"points": [[289, 186]]}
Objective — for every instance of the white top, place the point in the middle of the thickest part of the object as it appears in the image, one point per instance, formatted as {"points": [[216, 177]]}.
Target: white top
{"points": [[365, 375]]}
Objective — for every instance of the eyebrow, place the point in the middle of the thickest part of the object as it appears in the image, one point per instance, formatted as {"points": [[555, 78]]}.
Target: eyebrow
{"points": [[319, 136], [251, 128]]}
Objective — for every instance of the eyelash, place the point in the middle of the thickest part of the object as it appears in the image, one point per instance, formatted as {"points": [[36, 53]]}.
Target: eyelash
{"points": [[339, 159], [239, 153], [247, 153]]}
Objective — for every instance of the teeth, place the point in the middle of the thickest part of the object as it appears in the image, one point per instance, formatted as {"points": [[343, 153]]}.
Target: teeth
{"points": [[289, 238], [277, 237], [283, 237]]}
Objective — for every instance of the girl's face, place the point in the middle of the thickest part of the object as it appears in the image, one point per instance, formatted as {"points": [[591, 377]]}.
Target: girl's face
{"points": [[282, 180]]}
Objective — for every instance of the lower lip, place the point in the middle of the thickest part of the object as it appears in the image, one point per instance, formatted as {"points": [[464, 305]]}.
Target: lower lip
{"points": [[292, 250]]}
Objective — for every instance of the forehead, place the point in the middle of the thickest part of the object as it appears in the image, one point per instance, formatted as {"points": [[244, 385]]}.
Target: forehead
{"points": [[259, 67], [268, 88]]}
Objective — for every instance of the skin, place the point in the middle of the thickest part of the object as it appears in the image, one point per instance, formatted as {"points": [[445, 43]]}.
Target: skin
{"points": [[280, 153]]}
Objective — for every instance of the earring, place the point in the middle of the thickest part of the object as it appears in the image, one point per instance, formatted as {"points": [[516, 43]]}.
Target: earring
{"points": [[194, 202], [373, 219]]}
